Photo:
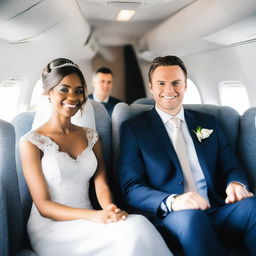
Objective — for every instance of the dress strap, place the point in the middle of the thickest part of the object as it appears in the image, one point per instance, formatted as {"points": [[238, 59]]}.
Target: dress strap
{"points": [[44, 143], [92, 136]]}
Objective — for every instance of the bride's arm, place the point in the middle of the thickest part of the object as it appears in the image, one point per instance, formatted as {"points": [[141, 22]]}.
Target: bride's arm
{"points": [[102, 189], [31, 165], [100, 179]]}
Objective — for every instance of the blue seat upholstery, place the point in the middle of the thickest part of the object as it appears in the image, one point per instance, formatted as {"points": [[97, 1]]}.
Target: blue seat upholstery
{"points": [[15, 200], [3, 221], [247, 145], [123, 112], [228, 118], [10, 205], [145, 101], [22, 124]]}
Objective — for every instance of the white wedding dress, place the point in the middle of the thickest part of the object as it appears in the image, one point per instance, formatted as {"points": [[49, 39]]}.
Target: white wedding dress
{"points": [[68, 182]]}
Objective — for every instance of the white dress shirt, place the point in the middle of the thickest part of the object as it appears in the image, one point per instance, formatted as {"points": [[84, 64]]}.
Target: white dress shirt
{"points": [[195, 167], [96, 99]]}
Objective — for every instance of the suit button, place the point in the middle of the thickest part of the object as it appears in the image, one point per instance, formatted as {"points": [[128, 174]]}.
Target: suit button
{"points": [[181, 183]]}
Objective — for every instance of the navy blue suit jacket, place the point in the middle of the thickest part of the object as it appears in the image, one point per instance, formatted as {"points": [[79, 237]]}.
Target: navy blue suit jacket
{"points": [[149, 167], [108, 105]]}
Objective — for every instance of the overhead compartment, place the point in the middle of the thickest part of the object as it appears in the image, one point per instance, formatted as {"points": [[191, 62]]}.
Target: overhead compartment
{"points": [[55, 27], [91, 45], [201, 26], [239, 32], [24, 20]]}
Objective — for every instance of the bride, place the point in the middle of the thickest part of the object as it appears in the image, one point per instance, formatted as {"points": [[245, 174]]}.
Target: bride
{"points": [[58, 160]]}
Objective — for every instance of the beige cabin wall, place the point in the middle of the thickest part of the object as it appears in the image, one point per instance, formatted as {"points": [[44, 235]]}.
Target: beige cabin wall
{"points": [[113, 58]]}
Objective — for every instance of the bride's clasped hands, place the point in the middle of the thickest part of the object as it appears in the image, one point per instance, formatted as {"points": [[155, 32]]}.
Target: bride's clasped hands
{"points": [[109, 214]]}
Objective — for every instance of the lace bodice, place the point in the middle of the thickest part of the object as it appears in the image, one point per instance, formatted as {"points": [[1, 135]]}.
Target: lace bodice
{"points": [[67, 178], [68, 182]]}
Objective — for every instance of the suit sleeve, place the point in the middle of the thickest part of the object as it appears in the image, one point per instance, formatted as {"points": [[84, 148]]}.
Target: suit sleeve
{"points": [[133, 177], [228, 162]]}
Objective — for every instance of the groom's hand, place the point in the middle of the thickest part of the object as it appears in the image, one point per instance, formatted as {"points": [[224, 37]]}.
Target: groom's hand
{"points": [[236, 192], [190, 200]]}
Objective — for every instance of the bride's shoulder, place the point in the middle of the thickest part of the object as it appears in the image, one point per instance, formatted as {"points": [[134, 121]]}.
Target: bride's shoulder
{"points": [[28, 140], [92, 135], [31, 135], [34, 135], [36, 138]]}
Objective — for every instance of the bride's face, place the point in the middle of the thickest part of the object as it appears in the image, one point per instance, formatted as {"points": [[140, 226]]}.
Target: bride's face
{"points": [[68, 96]]}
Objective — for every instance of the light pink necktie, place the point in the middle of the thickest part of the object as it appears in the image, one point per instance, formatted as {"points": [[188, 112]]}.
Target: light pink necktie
{"points": [[181, 151]]}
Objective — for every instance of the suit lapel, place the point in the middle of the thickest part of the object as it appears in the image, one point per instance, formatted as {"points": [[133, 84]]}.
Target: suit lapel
{"points": [[162, 135], [192, 124]]}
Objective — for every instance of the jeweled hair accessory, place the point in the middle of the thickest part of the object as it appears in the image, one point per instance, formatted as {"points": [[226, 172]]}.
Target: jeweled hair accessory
{"points": [[65, 65]]}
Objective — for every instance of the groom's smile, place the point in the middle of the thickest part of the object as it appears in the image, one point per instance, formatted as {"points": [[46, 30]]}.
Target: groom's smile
{"points": [[168, 86]]}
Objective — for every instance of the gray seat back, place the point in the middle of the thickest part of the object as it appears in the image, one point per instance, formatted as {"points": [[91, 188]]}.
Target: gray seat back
{"points": [[3, 221], [145, 101], [247, 145], [227, 117], [23, 123], [104, 129], [10, 206], [121, 113]]}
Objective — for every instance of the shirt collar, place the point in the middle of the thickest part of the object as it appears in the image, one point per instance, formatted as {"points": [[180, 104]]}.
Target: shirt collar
{"points": [[96, 99], [166, 117]]}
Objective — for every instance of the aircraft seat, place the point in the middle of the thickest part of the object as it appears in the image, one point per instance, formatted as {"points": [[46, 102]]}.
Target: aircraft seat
{"points": [[10, 204], [3, 220], [124, 112], [23, 123], [212, 110], [247, 145], [146, 101], [228, 118]]}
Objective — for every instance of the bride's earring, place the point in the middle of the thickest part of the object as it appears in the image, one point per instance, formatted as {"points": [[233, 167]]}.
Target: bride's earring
{"points": [[49, 100]]}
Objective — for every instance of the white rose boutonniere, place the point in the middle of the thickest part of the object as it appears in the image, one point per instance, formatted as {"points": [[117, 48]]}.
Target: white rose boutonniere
{"points": [[202, 133]]}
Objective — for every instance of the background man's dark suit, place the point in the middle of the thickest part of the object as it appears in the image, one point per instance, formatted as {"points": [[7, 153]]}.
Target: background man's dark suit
{"points": [[108, 105]]}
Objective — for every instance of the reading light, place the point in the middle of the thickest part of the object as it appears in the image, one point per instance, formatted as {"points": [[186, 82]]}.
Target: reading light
{"points": [[125, 15]]}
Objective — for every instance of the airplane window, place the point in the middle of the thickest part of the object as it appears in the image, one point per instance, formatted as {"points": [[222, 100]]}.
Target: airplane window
{"points": [[36, 95], [9, 89], [234, 94], [192, 95]]}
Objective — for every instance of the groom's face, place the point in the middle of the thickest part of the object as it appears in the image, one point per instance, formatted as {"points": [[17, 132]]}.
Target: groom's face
{"points": [[168, 85]]}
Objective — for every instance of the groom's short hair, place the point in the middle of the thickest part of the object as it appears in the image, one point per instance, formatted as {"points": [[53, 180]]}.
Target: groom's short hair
{"points": [[169, 60]]}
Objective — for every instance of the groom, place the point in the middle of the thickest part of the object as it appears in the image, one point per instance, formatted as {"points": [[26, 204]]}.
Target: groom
{"points": [[176, 165]]}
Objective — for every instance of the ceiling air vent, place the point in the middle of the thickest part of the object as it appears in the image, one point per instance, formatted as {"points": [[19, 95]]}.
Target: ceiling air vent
{"points": [[124, 5]]}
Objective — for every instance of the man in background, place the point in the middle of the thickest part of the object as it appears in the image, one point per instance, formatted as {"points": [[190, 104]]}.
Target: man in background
{"points": [[103, 83]]}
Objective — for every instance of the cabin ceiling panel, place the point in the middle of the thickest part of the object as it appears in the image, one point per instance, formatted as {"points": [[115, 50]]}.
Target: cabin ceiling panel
{"points": [[236, 33], [11, 8], [31, 21], [103, 30], [145, 10], [184, 33], [70, 37], [101, 15]]}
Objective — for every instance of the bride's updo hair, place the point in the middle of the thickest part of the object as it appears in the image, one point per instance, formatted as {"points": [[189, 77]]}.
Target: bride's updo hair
{"points": [[56, 70]]}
